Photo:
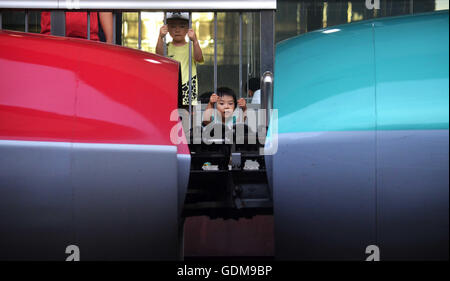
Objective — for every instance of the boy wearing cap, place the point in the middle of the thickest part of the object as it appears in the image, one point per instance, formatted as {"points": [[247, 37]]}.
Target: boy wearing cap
{"points": [[178, 26]]}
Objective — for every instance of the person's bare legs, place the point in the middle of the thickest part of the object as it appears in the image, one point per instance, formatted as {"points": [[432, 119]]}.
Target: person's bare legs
{"points": [[106, 20]]}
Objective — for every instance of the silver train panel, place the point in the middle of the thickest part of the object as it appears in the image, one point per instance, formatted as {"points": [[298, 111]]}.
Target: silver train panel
{"points": [[36, 217], [412, 194], [115, 202], [335, 193], [324, 189], [184, 168]]}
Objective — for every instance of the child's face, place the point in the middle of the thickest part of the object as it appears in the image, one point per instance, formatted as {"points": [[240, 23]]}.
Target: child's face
{"points": [[225, 105], [178, 29]]}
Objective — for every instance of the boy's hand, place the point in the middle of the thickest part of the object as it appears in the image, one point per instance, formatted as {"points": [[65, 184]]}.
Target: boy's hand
{"points": [[163, 31], [213, 99], [192, 36], [242, 103]]}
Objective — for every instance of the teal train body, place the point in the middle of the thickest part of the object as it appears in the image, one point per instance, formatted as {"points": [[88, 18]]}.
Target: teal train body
{"points": [[387, 74], [363, 155]]}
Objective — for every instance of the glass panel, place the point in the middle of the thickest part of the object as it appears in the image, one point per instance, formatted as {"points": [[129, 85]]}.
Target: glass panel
{"points": [[296, 17], [130, 30], [16, 21]]}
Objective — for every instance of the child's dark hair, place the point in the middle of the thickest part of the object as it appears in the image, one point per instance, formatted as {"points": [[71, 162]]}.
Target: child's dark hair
{"points": [[225, 91]]}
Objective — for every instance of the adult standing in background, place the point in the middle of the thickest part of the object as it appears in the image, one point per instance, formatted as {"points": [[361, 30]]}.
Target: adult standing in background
{"points": [[254, 91], [76, 24]]}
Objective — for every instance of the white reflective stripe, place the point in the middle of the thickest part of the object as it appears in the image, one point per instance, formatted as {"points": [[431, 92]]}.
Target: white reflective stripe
{"points": [[180, 5], [105, 146]]}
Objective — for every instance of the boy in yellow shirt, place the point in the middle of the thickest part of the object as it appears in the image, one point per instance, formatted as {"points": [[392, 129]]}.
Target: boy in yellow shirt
{"points": [[178, 26]]}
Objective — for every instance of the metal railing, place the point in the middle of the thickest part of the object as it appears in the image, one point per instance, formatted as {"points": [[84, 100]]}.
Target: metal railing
{"points": [[142, 5], [265, 7]]}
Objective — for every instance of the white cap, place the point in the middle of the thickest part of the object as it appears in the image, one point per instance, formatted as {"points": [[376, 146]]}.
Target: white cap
{"points": [[177, 15]]}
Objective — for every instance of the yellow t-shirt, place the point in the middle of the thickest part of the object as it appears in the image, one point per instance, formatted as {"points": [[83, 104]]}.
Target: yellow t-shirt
{"points": [[181, 54]]}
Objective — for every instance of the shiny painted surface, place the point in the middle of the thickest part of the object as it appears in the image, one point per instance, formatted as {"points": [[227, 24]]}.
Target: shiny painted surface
{"points": [[332, 198], [324, 195], [86, 155], [184, 168], [64, 89], [413, 194], [114, 201], [363, 141], [412, 70], [325, 80]]}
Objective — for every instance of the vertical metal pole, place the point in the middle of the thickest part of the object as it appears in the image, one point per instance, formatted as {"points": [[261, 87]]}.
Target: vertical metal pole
{"points": [[411, 6], [249, 38], [215, 62], [164, 39], [215, 52], [114, 27], [26, 21], [240, 55], [190, 73], [256, 45], [267, 53], [139, 31], [240, 116], [88, 25], [58, 23], [251, 47]]}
